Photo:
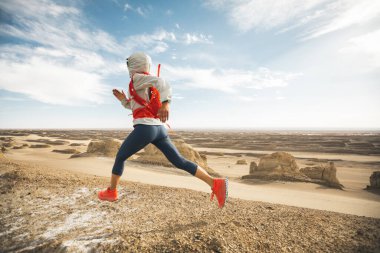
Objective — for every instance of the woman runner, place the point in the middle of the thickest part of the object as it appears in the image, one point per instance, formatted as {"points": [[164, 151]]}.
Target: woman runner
{"points": [[149, 101]]}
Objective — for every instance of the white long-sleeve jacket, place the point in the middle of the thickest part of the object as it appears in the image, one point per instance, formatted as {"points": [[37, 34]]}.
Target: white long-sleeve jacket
{"points": [[142, 83]]}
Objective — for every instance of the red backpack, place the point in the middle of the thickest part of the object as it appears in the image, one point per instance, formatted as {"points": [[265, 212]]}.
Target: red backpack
{"points": [[149, 109]]}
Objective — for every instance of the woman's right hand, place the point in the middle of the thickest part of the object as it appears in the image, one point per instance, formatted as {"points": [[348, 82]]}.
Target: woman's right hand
{"points": [[119, 95]]}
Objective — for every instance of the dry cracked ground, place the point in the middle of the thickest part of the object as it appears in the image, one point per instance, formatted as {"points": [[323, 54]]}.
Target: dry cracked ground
{"points": [[49, 210]]}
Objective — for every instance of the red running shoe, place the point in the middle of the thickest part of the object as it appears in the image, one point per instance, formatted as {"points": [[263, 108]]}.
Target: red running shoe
{"points": [[109, 195], [220, 189]]}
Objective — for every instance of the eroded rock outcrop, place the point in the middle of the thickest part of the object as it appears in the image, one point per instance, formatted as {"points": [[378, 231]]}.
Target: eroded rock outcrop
{"points": [[66, 151], [374, 180], [277, 166], [279, 161], [324, 172], [282, 166], [241, 162], [252, 167], [107, 147]]}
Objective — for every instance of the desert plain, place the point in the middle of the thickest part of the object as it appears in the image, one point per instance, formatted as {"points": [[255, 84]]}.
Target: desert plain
{"points": [[49, 199]]}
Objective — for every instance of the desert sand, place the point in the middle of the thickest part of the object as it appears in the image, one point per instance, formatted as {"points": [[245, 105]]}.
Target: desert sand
{"points": [[263, 216]]}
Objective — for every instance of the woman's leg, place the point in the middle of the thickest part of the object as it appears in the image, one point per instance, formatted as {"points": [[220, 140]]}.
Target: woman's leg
{"points": [[219, 186], [141, 136], [170, 151], [204, 176]]}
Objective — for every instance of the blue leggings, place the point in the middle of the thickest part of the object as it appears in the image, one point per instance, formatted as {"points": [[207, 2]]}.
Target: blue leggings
{"points": [[141, 136]]}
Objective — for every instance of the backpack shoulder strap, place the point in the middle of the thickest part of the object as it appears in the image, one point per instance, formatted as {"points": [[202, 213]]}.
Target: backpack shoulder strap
{"points": [[135, 96]]}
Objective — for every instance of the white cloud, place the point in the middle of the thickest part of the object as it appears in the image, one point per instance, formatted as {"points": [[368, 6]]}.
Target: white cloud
{"points": [[59, 61], [63, 54], [127, 7], [12, 99], [142, 11], [153, 43], [230, 80], [55, 26], [347, 13], [197, 38], [245, 98], [263, 14], [366, 47], [316, 17], [51, 83], [36, 9], [158, 41]]}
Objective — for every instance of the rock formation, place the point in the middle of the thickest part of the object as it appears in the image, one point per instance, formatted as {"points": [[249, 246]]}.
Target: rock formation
{"points": [[277, 166], [107, 147], [283, 166], [40, 146], [374, 180], [252, 167], [66, 151], [241, 162], [279, 161], [324, 172], [152, 155]]}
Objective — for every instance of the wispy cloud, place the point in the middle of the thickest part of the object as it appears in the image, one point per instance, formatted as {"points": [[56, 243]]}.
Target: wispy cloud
{"points": [[51, 83], [62, 56], [262, 14], [197, 38], [366, 47], [59, 60], [141, 10], [158, 41], [228, 80], [16, 99], [57, 26], [315, 17], [345, 14]]}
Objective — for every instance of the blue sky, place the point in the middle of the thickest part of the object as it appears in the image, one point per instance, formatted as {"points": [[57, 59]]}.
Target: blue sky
{"points": [[261, 64]]}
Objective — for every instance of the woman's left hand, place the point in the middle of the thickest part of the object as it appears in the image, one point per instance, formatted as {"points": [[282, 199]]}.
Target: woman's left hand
{"points": [[163, 112], [119, 95]]}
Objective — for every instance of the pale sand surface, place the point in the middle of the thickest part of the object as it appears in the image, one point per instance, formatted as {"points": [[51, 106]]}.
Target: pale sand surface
{"points": [[354, 200]]}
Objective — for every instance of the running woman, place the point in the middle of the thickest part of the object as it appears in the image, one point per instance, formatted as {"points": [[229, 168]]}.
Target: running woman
{"points": [[149, 98]]}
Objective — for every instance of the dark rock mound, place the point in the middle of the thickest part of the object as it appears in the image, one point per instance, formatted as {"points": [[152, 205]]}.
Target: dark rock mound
{"points": [[107, 147], [241, 162], [374, 182], [66, 151], [40, 146]]}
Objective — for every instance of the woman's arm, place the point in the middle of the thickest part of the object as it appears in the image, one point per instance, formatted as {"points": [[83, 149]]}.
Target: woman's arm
{"points": [[122, 98]]}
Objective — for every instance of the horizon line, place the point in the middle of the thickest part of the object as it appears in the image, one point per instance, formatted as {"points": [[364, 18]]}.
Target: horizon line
{"points": [[210, 129]]}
